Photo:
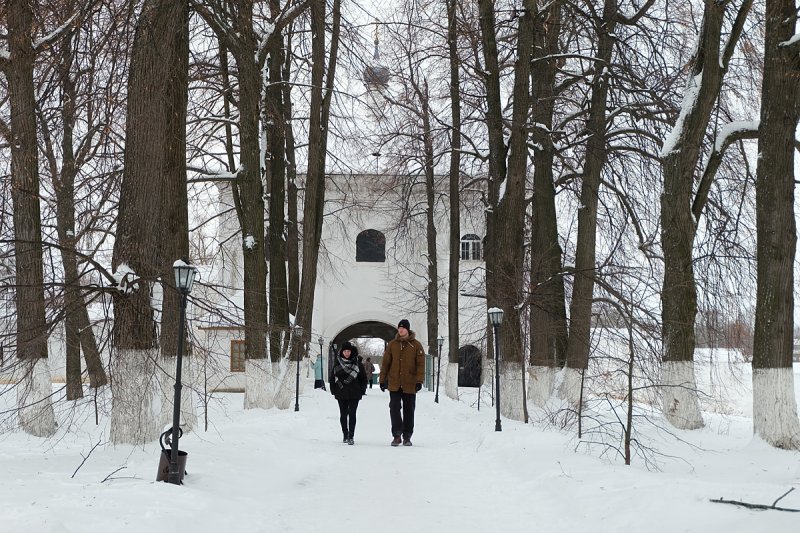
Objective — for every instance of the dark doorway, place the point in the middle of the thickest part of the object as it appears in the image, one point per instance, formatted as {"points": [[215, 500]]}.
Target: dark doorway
{"points": [[469, 366]]}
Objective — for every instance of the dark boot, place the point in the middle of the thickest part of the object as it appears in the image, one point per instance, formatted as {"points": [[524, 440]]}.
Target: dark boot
{"points": [[396, 441], [407, 441]]}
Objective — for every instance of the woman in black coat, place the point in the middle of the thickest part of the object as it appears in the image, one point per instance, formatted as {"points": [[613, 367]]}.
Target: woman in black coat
{"points": [[348, 384]]}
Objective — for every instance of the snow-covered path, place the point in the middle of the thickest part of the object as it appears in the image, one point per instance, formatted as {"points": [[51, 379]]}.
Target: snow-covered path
{"points": [[285, 471]]}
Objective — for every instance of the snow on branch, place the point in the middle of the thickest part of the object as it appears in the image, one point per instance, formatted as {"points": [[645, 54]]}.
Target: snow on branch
{"points": [[727, 135], [47, 40], [689, 101], [793, 43], [126, 278], [733, 131], [205, 175]]}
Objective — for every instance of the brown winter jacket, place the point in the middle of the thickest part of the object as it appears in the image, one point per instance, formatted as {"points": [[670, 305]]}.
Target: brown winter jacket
{"points": [[403, 364]]}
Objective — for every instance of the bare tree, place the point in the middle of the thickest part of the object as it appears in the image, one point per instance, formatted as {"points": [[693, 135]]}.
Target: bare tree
{"points": [[77, 101], [323, 73], [235, 27], [507, 180], [36, 410], [454, 181], [155, 116], [595, 158], [680, 155], [774, 405], [548, 327]]}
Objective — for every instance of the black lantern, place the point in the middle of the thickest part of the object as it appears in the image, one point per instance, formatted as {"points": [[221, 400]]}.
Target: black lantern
{"points": [[184, 279], [496, 317]]}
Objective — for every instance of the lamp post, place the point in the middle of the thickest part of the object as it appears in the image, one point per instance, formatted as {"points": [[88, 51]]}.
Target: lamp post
{"points": [[298, 334], [496, 316], [438, 367], [321, 341], [184, 278]]}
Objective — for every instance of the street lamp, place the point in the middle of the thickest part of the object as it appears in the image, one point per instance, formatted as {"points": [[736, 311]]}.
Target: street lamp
{"points": [[321, 341], [184, 278], [438, 367], [298, 334], [496, 316]]}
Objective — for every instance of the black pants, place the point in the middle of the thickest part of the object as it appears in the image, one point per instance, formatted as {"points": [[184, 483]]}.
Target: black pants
{"points": [[402, 424], [347, 416]]}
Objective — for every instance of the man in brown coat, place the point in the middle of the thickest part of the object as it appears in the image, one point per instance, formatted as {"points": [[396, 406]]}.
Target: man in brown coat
{"points": [[402, 372]]}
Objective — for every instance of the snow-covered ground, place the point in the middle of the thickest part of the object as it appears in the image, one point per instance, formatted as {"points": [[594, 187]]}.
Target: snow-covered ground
{"points": [[275, 471]]}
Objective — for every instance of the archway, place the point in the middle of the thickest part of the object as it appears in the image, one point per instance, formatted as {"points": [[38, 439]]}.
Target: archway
{"points": [[363, 332]]}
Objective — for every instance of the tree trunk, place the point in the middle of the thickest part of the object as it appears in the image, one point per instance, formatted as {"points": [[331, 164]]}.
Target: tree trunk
{"points": [[678, 227], [292, 232], [33, 397], [506, 219], [580, 311], [430, 227], [150, 154], [454, 181], [79, 334], [175, 212], [314, 200], [774, 405], [548, 311], [275, 130]]}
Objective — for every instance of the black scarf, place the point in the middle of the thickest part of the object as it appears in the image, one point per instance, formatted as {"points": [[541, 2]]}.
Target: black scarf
{"points": [[345, 371]]}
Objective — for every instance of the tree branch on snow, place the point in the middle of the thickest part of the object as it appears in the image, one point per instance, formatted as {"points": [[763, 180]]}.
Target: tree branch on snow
{"points": [[85, 457], [759, 505]]}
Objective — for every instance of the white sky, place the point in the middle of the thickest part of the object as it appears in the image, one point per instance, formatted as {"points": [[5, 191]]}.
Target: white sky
{"points": [[285, 471]]}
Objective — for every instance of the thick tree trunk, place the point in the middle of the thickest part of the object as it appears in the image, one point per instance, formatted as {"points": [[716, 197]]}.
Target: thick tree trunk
{"points": [[152, 136], [678, 227], [33, 398], [275, 129], [774, 406], [507, 215], [548, 325]]}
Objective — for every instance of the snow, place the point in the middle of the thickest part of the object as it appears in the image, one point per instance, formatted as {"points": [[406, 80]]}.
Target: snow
{"points": [[731, 128], [795, 38], [126, 279], [689, 100], [269, 470]]}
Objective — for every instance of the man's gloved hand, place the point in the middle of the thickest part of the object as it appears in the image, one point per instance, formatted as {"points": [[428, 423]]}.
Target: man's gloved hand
{"points": [[383, 387], [419, 387]]}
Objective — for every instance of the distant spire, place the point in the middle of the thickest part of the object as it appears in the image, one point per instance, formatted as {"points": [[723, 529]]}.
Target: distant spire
{"points": [[376, 76]]}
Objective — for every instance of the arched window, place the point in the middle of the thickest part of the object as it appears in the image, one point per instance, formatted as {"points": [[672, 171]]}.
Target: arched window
{"points": [[470, 247], [371, 246]]}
